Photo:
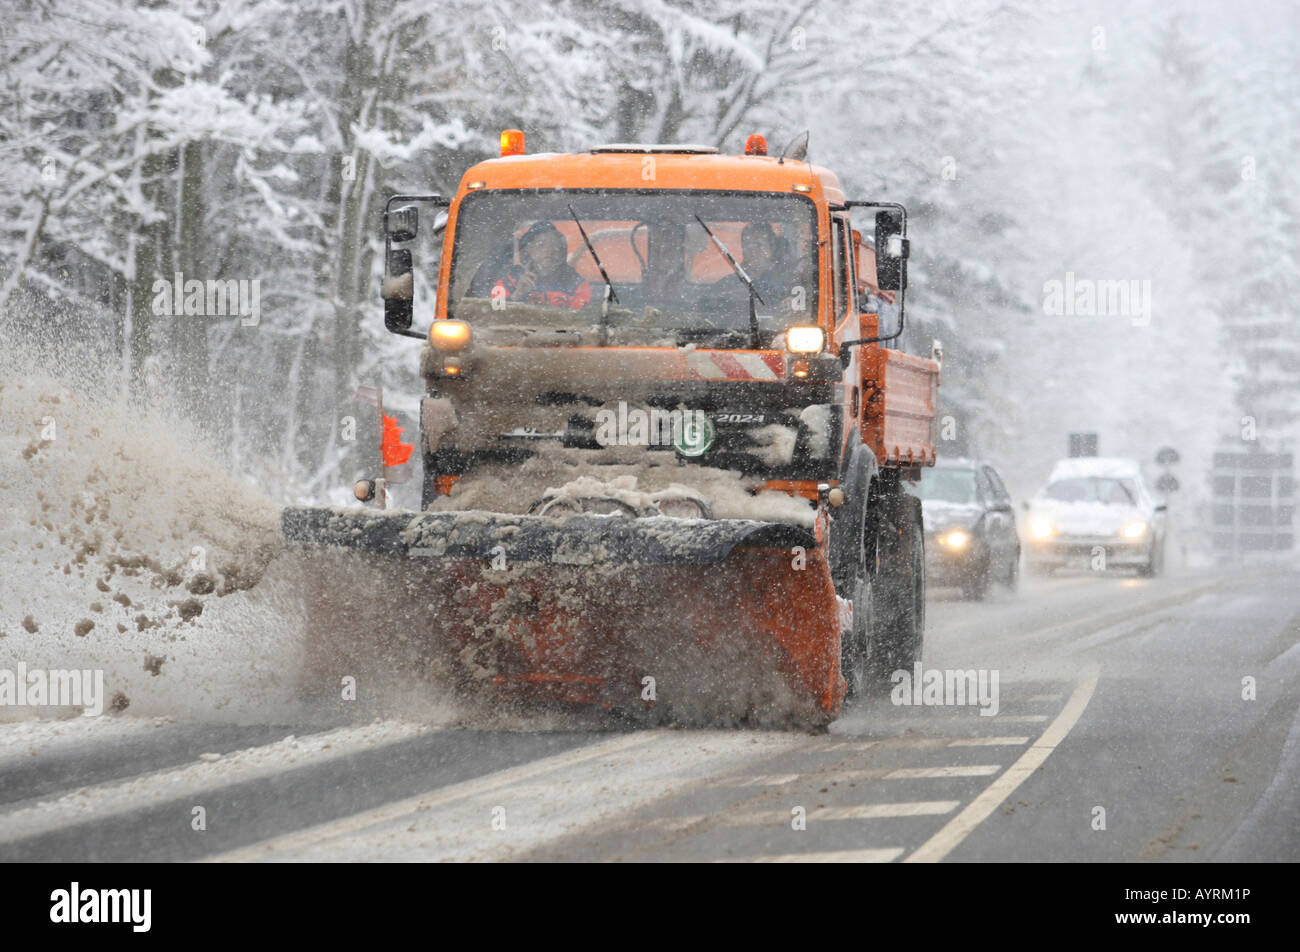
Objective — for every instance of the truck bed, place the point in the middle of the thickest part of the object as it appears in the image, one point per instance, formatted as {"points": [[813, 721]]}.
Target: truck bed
{"points": [[900, 394]]}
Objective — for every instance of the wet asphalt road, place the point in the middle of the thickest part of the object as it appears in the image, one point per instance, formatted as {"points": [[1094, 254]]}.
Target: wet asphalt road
{"points": [[1136, 720]]}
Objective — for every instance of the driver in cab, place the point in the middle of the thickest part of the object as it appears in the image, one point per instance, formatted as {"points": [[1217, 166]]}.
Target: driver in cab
{"points": [[545, 276]]}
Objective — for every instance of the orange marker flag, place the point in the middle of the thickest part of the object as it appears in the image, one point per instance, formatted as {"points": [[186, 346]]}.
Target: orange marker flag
{"points": [[394, 451]]}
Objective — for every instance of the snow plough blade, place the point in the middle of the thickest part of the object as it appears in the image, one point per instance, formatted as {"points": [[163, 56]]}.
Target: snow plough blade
{"points": [[697, 621]]}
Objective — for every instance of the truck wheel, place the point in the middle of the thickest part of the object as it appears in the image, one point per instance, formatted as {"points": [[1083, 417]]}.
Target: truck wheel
{"points": [[857, 640], [898, 623]]}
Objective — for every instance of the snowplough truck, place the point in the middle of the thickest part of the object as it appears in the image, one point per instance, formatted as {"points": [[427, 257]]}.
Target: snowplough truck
{"points": [[665, 444]]}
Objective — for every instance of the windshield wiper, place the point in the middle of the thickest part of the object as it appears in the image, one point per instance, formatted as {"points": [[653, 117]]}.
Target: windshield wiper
{"points": [[609, 285], [749, 285]]}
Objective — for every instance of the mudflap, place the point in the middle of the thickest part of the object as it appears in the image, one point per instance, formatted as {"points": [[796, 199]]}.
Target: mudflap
{"points": [[670, 620]]}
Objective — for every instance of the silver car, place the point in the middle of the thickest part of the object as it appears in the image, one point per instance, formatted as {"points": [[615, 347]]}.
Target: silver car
{"points": [[1095, 513]]}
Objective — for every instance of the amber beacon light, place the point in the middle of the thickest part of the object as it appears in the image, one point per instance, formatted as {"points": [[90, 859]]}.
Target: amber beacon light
{"points": [[512, 142]]}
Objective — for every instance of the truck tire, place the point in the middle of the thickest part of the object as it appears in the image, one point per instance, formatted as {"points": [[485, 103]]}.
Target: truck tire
{"points": [[853, 560], [856, 642], [898, 629]]}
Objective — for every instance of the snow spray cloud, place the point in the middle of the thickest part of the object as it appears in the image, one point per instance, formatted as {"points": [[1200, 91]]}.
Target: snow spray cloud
{"points": [[1086, 297], [128, 549]]}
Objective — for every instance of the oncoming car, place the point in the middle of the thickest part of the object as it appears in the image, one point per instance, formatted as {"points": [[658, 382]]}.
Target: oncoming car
{"points": [[970, 528], [1095, 513]]}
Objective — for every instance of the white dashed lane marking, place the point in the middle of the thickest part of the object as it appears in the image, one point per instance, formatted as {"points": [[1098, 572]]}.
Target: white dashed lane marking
{"points": [[960, 826]]}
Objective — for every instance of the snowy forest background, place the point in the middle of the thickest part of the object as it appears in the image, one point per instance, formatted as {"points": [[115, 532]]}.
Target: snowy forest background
{"points": [[257, 141]]}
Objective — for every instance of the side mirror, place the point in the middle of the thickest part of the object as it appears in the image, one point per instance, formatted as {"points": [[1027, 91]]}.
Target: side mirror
{"points": [[402, 224], [398, 290], [892, 250]]}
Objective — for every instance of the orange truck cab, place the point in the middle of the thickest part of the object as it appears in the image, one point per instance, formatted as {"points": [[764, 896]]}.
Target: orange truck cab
{"points": [[648, 296]]}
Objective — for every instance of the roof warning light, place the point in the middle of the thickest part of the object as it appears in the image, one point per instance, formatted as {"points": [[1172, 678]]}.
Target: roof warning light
{"points": [[512, 142]]}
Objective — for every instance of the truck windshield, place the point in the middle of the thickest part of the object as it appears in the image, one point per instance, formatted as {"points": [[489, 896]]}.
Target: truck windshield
{"points": [[519, 262]]}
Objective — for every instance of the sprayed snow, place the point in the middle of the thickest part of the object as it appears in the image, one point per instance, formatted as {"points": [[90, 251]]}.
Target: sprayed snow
{"points": [[774, 444], [513, 488], [817, 420], [129, 549], [621, 489]]}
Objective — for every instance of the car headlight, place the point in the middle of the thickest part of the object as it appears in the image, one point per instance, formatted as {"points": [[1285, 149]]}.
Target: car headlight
{"points": [[956, 539], [1135, 530], [1041, 527], [805, 340]]}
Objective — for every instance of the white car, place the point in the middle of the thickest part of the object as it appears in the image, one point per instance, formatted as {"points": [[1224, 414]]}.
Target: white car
{"points": [[1095, 512]]}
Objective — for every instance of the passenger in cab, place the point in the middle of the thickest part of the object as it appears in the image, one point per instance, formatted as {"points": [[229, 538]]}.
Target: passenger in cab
{"points": [[763, 259]]}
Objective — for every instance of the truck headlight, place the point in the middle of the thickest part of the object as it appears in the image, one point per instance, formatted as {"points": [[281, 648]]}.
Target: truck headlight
{"points": [[1041, 528], [1135, 530], [805, 340], [449, 336]]}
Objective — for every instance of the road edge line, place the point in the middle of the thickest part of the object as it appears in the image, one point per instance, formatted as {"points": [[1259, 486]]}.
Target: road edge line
{"points": [[978, 810]]}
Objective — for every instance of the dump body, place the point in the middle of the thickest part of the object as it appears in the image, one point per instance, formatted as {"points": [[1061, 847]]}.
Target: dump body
{"points": [[900, 394]]}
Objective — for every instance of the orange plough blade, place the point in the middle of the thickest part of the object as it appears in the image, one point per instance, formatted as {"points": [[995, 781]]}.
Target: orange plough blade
{"points": [[693, 622]]}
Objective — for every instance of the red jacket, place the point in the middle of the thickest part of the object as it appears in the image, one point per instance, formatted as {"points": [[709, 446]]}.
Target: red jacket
{"points": [[564, 287]]}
